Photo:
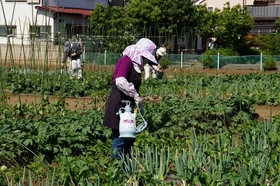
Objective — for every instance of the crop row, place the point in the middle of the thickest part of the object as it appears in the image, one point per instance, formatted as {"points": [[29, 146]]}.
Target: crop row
{"points": [[261, 88], [202, 130]]}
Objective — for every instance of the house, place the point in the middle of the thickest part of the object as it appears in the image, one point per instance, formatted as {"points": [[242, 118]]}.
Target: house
{"points": [[22, 20], [265, 13], [44, 19], [201, 44], [213, 4]]}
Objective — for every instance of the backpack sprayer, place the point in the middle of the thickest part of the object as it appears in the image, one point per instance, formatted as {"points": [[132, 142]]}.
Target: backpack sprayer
{"points": [[127, 127]]}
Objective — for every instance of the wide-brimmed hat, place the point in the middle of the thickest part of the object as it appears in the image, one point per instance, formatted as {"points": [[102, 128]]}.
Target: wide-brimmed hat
{"points": [[66, 44], [143, 48], [161, 51]]}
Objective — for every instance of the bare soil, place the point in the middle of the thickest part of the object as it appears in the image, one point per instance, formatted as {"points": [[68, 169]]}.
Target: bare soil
{"points": [[83, 103]]}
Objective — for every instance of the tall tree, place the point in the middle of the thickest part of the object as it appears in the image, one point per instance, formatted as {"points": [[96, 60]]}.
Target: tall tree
{"points": [[104, 19], [204, 21], [229, 26], [112, 23], [172, 19], [167, 17], [270, 43]]}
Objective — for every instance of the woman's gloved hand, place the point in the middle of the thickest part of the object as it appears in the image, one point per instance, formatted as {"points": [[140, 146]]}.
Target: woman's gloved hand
{"points": [[138, 100]]}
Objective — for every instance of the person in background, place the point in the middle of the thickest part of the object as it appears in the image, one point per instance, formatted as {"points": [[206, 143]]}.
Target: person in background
{"points": [[67, 48], [125, 86], [80, 42], [152, 67], [76, 66], [213, 43]]}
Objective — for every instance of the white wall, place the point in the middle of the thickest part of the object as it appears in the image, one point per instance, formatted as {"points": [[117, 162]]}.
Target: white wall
{"points": [[220, 4], [20, 14]]}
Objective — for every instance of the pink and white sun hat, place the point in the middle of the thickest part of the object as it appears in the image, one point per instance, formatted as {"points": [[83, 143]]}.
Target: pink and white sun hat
{"points": [[143, 48]]}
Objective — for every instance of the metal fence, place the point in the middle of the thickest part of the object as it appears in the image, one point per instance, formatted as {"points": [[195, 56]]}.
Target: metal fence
{"points": [[254, 62], [49, 54]]}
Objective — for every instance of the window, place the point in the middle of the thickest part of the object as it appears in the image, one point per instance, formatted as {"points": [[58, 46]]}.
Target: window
{"points": [[76, 29], [34, 31], [210, 9], [45, 32], [42, 32], [8, 30]]}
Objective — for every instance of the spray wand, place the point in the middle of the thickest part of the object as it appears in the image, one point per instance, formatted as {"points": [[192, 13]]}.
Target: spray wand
{"points": [[144, 124]]}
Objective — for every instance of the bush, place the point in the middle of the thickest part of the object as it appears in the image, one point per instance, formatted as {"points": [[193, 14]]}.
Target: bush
{"points": [[164, 63], [222, 51], [208, 59], [269, 64]]}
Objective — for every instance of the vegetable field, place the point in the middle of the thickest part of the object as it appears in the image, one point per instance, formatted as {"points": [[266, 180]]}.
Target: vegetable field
{"points": [[203, 129]]}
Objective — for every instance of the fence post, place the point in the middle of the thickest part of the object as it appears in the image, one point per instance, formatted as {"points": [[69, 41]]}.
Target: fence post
{"points": [[181, 59], [105, 56], [261, 62], [218, 61]]}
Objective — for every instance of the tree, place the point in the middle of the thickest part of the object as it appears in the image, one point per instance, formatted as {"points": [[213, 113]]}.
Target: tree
{"points": [[229, 26], [107, 17], [163, 17], [204, 21], [112, 23], [270, 43]]}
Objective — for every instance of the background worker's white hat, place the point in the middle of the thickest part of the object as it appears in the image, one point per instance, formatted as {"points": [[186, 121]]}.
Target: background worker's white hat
{"points": [[161, 51]]}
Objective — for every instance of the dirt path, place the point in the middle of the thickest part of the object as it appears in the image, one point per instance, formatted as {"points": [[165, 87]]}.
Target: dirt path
{"points": [[264, 111], [71, 103], [84, 103]]}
